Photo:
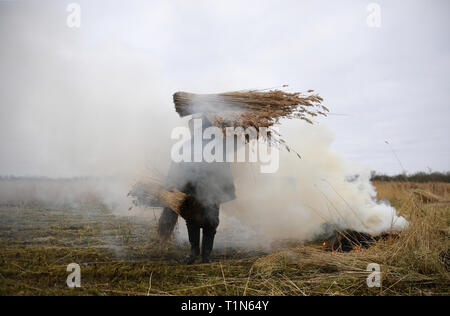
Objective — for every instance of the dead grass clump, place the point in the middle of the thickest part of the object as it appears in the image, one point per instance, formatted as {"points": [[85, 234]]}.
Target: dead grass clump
{"points": [[311, 256], [422, 247], [277, 261], [427, 197], [401, 191]]}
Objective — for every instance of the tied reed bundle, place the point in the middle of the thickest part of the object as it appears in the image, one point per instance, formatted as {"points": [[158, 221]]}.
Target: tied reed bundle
{"points": [[154, 194], [252, 108]]}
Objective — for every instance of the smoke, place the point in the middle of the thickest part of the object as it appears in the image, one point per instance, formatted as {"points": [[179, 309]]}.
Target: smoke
{"points": [[306, 197], [65, 192], [74, 103]]}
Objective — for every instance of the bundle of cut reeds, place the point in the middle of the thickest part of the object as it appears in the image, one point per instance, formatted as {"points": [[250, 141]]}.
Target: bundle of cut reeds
{"points": [[251, 108], [154, 194]]}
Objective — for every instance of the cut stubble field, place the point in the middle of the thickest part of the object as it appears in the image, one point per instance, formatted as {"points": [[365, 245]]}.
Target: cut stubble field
{"points": [[122, 255]]}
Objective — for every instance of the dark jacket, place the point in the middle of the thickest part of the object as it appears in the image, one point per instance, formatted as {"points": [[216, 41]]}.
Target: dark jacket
{"points": [[210, 182]]}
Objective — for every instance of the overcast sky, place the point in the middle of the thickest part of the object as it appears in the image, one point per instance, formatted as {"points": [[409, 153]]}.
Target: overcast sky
{"points": [[78, 99]]}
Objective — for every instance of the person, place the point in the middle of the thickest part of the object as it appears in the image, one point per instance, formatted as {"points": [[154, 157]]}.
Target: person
{"points": [[210, 184]]}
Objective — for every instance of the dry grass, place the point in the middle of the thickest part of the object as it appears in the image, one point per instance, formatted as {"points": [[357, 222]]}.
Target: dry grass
{"points": [[424, 246], [119, 256], [417, 262], [403, 191]]}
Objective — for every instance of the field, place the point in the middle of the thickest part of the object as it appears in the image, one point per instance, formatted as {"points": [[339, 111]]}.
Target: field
{"points": [[121, 255]]}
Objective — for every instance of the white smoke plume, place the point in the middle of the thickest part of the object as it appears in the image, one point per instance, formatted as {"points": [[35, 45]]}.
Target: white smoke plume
{"points": [[305, 198]]}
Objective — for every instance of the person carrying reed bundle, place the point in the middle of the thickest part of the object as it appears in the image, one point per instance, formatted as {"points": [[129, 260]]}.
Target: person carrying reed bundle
{"points": [[195, 190], [207, 185], [212, 184]]}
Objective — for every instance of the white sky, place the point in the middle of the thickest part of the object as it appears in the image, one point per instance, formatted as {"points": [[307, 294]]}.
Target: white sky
{"points": [[72, 97]]}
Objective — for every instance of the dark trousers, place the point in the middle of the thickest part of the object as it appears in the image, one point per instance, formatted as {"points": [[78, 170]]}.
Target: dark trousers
{"points": [[208, 221], [167, 223]]}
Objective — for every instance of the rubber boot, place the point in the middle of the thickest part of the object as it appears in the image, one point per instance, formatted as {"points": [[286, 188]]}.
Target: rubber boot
{"points": [[207, 245], [194, 239]]}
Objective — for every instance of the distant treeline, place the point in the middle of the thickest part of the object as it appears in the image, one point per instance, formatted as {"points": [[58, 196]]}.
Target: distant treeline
{"points": [[415, 177]]}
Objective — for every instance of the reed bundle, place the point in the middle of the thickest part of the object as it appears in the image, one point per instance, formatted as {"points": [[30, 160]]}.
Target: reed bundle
{"points": [[154, 194], [252, 108]]}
